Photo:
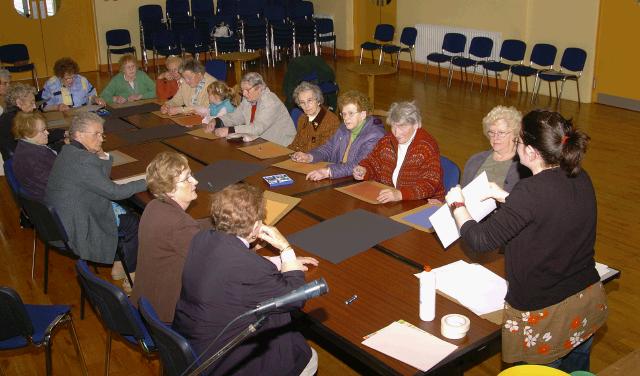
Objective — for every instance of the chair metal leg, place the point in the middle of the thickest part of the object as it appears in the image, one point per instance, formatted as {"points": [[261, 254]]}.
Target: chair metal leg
{"points": [[578, 89], [361, 52], [83, 297], [33, 255], [47, 357], [109, 63], [506, 86], [76, 344], [107, 355], [120, 254], [46, 267]]}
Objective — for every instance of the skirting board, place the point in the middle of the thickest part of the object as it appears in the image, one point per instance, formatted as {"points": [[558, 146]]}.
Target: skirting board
{"points": [[612, 100]]}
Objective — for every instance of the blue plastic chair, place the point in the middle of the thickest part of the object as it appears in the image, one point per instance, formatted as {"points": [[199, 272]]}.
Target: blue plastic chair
{"points": [[22, 325], [151, 20], [217, 68], [295, 115], [165, 43], [193, 42], [451, 173], [512, 50], [15, 58], [479, 52], [325, 32], [382, 35], [452, 44], [179, 14], [280, 31], [118, 38], [115, 311], [176, 354], [571, 66], [542, 55], [408, 44]]}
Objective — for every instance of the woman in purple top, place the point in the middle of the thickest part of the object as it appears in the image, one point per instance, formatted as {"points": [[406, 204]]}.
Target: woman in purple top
{"points": [[354, 139]]}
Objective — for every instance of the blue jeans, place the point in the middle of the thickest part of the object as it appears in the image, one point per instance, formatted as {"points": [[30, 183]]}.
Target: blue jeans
{"points": [[576, 360]]}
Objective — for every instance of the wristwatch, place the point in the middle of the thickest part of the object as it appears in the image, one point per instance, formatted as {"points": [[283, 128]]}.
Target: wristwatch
{"points": [[454, 205]]}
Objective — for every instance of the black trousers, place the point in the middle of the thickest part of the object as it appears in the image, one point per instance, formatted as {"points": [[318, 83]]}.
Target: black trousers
{"points": [[128, 239]]}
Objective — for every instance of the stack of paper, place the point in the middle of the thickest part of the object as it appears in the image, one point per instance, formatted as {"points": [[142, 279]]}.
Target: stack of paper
{"points": [[472, 285]]}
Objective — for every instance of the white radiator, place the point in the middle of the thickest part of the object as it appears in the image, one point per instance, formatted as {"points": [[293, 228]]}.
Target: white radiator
{"points": [[430, 40]]}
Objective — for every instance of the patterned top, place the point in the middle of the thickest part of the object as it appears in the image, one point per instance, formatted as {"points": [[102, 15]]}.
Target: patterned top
{"points": [[312, 134], [78, 94]]}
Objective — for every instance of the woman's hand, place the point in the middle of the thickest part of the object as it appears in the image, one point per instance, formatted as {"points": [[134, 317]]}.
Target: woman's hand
{"points": [[496, 193], [134, 97], [359, 172], [454, 195], [176, 110], [319, 174], [119, 100], [221, 132], [389, 195], [99, 101], [304, 261], [164, 109], [301, 157], [63, 107], [272, 236]]}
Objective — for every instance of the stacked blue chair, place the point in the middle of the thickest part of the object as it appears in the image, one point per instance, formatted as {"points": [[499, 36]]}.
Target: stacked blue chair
{"points": [[451, 173], [512, 50], [151, 19], [248, 9], [255, 36], [571, 66], [227, 7], [479, 53], [408, 44], [118, 43], [15, 58], [280, 32], [382, 35], [179, 15], [192, 41], [304, 27], [22, 325], [542, 55], [453, 44], [325, 32], [165, 43], [227, 43], [217, 68], [202, 11]]}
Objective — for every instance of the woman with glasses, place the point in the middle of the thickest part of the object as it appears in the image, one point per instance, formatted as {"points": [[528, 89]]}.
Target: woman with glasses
{"points": [[354, 139], [165, 232], [130, 84], [5, 80], [317, 124], [555, 300], [67, 89], [501, 126]]}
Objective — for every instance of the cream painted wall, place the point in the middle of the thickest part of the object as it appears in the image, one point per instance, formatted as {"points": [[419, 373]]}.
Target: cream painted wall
{"points": [[342, 13]]}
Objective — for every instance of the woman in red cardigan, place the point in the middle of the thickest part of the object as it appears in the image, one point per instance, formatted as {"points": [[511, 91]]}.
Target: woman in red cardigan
{"points": [[408, 159]]}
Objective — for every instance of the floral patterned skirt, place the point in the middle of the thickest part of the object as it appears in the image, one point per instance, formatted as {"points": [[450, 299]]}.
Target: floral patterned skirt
{"points": [[542, 336]]}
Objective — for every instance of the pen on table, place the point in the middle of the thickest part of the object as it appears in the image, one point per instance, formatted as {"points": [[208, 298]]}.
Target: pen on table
{"points": [[351, 299]]}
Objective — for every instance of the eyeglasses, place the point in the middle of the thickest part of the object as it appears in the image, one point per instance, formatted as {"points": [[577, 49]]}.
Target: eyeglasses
{"points": [[349, 114], [97, 134], [186, 179], [246, 90], [499, 134], [307, 102]]}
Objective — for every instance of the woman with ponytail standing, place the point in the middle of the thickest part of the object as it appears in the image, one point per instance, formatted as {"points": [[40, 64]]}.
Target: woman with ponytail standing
{"points": [[555, 300]]}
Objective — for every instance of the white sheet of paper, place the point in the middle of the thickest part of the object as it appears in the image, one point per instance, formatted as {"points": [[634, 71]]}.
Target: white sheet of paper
{"points": [[131, 178], [442, 220], [410, 345]]}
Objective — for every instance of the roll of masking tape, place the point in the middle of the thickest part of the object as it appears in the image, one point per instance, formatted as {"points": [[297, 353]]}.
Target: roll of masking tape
{"points": [[454, 326]]}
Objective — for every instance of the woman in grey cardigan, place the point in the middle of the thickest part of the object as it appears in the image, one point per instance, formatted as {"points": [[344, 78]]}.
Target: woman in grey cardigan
{"points": [[352, 142], [501, 126]]}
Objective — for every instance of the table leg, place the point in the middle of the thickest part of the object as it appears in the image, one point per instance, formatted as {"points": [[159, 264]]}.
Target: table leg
{"points": [[237, 66], [371, 81]]}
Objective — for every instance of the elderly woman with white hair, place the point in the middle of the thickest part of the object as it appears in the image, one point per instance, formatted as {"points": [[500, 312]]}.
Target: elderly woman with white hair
{"points": [[260, 114], [407, 159], [318, 123], [19, 98], [5, 80], [502, 127]]}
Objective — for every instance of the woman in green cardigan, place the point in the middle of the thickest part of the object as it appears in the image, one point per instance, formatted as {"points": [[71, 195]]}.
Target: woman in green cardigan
{"points": [[129, 85]]}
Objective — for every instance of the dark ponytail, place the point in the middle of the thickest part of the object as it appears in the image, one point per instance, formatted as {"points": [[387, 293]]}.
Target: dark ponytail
{"points": [[555, 139]]}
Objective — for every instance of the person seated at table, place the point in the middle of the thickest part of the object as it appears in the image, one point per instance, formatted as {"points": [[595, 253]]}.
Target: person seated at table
{"points": [[81, 191], [168, 81], [5, 81], [223, 278], [222, 100], [20, 98], [260, 114], [555, 301], [354, 139], [33, 159], [318, 123], [407, 158], [130, 85], [165, 233], [502, 127], [192, 90], [67, 89]]}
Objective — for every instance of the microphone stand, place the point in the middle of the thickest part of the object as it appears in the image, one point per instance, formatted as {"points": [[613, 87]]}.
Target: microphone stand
{"points": [[235, 341]]}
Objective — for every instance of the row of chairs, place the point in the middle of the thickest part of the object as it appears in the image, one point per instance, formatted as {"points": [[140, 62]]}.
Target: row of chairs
{"points": [[383, 36], [511, 60], [15, 58]]}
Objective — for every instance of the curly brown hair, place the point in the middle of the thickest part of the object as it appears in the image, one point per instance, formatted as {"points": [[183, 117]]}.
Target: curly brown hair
{"points": [[163, 173], [236, 209], [65, 65], [356, 98]]}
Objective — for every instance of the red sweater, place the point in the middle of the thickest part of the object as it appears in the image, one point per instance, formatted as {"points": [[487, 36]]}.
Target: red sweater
{"points": [[420, 176]]}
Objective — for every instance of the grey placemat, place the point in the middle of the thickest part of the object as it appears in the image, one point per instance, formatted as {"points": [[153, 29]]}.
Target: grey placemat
{"points": [[147, 134], [222, 173], [128, 111], [114, 124], [345, 236]]}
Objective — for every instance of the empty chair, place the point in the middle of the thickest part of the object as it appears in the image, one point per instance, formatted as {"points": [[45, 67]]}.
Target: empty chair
{"points": [[175, 351], [383, 34], [542, 55], [165, 43], [15, 58], [512, 50], [325, 32], [479, 52], [452, 44], [115, 311], [571, 66], [22, 325], [408, 44], [118, 43], [451, 173], [217, 68], [151, 20]]}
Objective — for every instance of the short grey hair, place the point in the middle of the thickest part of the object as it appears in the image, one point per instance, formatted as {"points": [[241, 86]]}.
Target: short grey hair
{"points": [[510, 115], [18, 91], [5, 74], [308, 86], [404, 113], [81, 122], [253, 79], [192, 65]]}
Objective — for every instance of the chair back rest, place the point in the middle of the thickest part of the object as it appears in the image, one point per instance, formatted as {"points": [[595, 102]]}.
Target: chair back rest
{"points": [[295, 115], [14, 320], [384, 32], [324, 25], [151, 13], [175, 351], [45, 219], [14, 184], [408, 36], [177, 8], [118, 37], [202, 8], [12, 53], [573, 59], [227, 7], [165, 39], [513, 50], [451, 173], [454, 43], [217, 68], [113, 306], [191, 37], [250, 8], [275, 14], [481, 47], [543, 54], [302, 10]]}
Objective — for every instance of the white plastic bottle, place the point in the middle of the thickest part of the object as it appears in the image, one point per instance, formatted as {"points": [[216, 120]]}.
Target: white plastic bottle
{"points": [[427, 294]]}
